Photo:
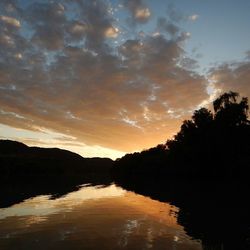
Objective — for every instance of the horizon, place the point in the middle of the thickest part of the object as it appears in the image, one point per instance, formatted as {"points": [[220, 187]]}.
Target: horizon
{"points": [[105, 78]]}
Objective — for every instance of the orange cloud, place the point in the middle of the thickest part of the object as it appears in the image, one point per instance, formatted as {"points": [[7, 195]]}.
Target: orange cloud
{"points": [[70, 80]]}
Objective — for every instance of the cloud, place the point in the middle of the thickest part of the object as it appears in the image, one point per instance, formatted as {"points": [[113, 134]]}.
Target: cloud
{"points": [[193, 17], [167, 26], [111, 32], [76, 30], [47, 21], [100, 24], [140, 13], [232, 76], [176, 16], [68, 77], [10, 21], [9, 7]]}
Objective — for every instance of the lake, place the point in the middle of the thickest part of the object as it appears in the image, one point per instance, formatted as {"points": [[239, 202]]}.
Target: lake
{"points": [[93, 217]]}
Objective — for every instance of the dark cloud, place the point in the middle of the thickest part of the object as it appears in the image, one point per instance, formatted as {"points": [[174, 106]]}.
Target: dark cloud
{"points": [[10, 7], [63, 74], [47, 21], [99, 22], [77, 29], [189, 63], [164, 25]]}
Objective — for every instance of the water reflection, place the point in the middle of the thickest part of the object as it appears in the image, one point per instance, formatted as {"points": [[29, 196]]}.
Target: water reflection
{"points": [[215, 212], [16, 190], [93, 217], [43, 205]]}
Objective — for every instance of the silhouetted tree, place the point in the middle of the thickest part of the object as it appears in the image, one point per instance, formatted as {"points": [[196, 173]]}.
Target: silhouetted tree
{"points": [[202, 118], [210, 144], [225, 100], [201, 170], [229, 111]]}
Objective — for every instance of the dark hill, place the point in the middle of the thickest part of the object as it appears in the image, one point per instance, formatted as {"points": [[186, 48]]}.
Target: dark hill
{"points": [[18, 149], [17, 159], [29, 171], [8, 147]]}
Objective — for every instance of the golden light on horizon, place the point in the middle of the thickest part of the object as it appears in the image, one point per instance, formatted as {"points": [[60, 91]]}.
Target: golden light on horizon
{"points": [[116, 78]]}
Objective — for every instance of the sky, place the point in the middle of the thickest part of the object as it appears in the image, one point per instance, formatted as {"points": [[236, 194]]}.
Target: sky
{"points": [[107, 77]]}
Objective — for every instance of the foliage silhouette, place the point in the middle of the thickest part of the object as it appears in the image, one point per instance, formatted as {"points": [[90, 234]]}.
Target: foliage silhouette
{"points": [[204, 170], [209, 145]]}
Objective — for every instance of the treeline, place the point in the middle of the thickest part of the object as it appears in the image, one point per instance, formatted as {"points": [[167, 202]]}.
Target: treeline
{"points": [[210, 145], [204, 171]]}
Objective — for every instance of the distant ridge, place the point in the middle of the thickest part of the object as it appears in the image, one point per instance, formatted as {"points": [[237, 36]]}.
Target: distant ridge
{"points": [[9, 147], [30, 171], [18, 159]]}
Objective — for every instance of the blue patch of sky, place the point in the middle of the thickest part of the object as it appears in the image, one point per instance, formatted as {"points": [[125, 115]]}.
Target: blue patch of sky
{"points": [[222, 31], [220, 34]]}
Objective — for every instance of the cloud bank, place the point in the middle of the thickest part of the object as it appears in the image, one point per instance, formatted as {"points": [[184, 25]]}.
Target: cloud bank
{"points": [[232, 76], [68, 67]]}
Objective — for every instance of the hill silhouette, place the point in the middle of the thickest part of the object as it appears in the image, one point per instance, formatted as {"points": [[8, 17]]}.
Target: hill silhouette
{"points": [[29, 171], [18, 159]]}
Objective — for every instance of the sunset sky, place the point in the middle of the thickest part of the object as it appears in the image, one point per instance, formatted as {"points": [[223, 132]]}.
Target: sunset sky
{"points": [[103, 78]]}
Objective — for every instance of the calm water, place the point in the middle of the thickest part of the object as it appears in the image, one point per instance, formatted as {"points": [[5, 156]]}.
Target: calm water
{"points": [[94, 217]]}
